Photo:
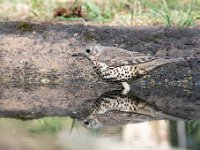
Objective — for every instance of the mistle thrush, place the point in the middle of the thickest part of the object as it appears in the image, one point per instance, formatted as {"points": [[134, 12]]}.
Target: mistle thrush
{"points": [[119, 65], [128, 103]]}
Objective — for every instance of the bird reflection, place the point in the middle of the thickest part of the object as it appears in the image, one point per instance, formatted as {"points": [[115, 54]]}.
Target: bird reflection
{"points": [[136, 109]]}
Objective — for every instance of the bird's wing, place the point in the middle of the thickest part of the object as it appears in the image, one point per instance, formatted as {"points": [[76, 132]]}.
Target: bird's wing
{"points": [[114, 57]]}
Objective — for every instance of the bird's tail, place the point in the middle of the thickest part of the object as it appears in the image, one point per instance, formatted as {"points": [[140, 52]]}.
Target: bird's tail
{"points": [[160, 62]]}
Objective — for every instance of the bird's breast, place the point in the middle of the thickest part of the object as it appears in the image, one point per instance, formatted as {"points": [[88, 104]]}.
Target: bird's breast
{"points": [[119, 73]]}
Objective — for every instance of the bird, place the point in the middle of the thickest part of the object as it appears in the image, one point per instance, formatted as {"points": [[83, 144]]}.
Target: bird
{"points": [[129, 103], [114, 64]]}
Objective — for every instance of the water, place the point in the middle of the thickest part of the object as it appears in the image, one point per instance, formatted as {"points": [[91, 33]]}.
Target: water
{"points": [[66, 133], [114, 121], [92, 117]]}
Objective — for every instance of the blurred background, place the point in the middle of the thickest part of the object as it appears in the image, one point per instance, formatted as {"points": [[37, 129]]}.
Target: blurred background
{"points": [[65, 133], [181, 13]]}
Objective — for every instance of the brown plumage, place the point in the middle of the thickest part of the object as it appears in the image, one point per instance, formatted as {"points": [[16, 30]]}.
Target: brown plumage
{"points": [[125, 103], [119, 65]]}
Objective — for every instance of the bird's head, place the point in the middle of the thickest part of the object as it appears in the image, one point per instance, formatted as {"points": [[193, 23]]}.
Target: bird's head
{"points": [[91, 123], [91, 52]]}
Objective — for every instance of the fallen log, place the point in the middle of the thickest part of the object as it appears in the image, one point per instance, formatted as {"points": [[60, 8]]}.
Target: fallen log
{"points": [[39, 77]]}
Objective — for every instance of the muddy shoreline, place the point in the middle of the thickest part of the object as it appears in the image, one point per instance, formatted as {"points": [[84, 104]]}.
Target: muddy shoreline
{"points": [[39, 77]]}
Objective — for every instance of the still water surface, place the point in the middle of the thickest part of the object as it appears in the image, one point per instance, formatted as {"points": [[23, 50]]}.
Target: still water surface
{"points": [[66, 133]]}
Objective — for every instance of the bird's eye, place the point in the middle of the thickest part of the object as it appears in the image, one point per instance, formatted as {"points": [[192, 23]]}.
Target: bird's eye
{"points": [[86, 123], [87, 50]]}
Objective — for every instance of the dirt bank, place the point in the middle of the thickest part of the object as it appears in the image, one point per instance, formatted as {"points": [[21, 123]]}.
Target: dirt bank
{"points": [[39, 77]]}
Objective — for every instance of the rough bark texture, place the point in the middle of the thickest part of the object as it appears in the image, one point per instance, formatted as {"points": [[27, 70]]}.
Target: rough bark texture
{"points": [[39, 77]]}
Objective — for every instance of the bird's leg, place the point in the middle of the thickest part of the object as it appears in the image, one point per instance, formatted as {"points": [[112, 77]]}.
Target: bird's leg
{"points": [[126, 88]]}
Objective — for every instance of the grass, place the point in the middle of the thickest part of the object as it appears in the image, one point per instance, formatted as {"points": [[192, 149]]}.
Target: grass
{"points": [[181, 13]]}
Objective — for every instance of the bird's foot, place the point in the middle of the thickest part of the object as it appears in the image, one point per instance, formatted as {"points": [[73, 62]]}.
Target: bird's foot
{"points": [[126, 88]]}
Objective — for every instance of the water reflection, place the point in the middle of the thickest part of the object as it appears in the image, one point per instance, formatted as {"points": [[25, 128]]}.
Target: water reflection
{"points": [[54, 133], [125, 109], [126, 121]]}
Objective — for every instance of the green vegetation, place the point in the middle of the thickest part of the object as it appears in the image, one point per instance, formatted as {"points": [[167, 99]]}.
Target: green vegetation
{"points": [[47, 125], [24, 26], [182, 13], [192, 134]]}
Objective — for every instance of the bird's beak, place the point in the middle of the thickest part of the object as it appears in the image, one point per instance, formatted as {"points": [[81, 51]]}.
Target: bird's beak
{"points": [[79, 55]]}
